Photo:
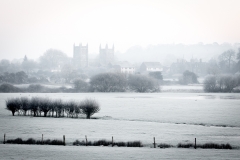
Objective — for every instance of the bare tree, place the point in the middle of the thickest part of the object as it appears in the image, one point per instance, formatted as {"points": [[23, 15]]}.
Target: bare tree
{"points": [[45, 105], [89, 107], [227, 59], [24, 105], [13, 105]]}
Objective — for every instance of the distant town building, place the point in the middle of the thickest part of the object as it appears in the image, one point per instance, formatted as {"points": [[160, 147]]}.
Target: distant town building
{"points": [[80, 56], [124, 67], [106, 55], [151, 67]]}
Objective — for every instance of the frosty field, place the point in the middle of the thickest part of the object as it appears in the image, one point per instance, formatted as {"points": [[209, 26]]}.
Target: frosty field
{"points": [[170, 117]]}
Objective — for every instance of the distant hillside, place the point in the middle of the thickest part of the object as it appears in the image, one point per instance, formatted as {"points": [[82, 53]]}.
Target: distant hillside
{"points": [[168, 53]]}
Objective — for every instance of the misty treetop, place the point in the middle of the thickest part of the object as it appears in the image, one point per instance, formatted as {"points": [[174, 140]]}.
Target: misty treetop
{"points": [[52, 59]]}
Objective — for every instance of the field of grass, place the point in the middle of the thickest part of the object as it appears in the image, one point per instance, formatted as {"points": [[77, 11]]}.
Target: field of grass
{"points": [[171, 118]]}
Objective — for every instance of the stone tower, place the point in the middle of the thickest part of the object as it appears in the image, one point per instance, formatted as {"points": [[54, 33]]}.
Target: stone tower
{"points": [[106, 55], [80, 56]]}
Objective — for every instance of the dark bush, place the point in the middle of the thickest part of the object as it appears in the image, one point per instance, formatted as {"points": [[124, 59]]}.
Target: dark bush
{"points": [[33, 141], [186, 145], [164, 145], [56, 142], [82, 143], [120, 144], [15, 141], [134, 144], [214, 146], [30, 141], [102, 142]]}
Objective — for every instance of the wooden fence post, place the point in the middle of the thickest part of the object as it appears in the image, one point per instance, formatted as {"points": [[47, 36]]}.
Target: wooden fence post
{"points": [[195, 145], [154, 144], [112, 141], [42, 138], [4, 138], [64, 140], [86, 140]]}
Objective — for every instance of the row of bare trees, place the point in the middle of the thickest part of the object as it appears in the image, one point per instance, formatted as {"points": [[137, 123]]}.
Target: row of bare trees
{"points": [[54, 108]]}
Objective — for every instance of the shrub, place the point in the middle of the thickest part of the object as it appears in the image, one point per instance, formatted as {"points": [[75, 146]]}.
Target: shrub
{"points": [[188, 77], [210, 84], [102, 143], [164, 145], [15, 141], [134, 144], [141, 83], [215, 146], [30, 141], [186, 145], [221, 83], [89, 107], [108, 82], [33, 141]]}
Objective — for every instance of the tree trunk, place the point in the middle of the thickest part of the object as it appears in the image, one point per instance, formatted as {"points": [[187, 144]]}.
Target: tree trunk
{"points": [[13, 112], [88, 116]]}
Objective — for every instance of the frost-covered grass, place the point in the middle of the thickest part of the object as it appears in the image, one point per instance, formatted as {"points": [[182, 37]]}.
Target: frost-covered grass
{"points": [[42, 152], [170, 117]]}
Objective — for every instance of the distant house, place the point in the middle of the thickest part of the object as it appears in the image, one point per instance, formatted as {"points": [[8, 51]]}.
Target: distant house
{"points": [[124, 67], [151, 67]]}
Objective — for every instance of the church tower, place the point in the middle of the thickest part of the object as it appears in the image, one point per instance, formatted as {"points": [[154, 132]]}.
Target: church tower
{"points": [[80, 56], [106, 55]]}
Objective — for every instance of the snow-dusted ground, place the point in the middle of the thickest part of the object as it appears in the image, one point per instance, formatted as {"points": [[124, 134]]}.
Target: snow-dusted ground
{"points": [[170, 117], [195, 88], [27, 152]]}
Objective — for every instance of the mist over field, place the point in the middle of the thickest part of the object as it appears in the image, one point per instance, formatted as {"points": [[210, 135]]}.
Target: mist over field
{"points": [[119, 79]]}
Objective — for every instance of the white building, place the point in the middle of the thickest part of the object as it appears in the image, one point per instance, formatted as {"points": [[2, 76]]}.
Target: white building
{"points": [[151, 67], [124, 67]]}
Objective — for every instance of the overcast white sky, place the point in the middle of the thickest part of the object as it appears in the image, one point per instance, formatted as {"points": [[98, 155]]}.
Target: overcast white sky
{"points": [[30, 27]]}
